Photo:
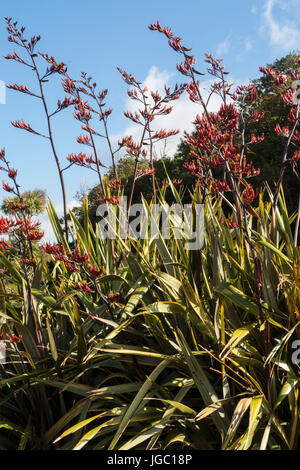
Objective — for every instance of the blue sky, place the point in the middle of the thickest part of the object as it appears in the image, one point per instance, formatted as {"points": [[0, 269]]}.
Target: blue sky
{"points": [[97, 36]]}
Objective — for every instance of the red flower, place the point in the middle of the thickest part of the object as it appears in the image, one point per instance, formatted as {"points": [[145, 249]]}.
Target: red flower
{"points": [[110, 200], [228, 117], [78, 258], [71, 267], [175, 182], [162, 134], [280, 79], [6, 187], [228, 223], [288, 97], [35, 235], [249, 195], [219, 186], [114, 297], [68, 86], [94, 271], [296, 156], [268, 71], [84, 139], [145, 171], [58, 252], [115, 184], [15, 339], [12, 173], [53, 249], [192, 91], [257, 139], [65, 103], [284, 131], [6, 224], [292, 115], [257, 116], [129, 79], [82, 286], [24, 126], [29, 261], [21, 88], [55, 67], [16, 206], [4, 245]]}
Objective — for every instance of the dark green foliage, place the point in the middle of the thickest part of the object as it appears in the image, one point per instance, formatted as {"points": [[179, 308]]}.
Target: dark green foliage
{"points": [[269, 152]]}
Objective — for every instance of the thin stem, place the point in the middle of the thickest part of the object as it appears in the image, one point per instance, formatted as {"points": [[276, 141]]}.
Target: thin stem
{"points": [[135, 169], [48, 117]]}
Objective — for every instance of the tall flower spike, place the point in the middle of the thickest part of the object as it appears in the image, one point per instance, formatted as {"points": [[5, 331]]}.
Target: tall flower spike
{"points": [[26, 127]]}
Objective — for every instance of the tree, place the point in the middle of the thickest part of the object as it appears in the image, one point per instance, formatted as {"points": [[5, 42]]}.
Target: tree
{"points": [[269, 155], [33, 203]]}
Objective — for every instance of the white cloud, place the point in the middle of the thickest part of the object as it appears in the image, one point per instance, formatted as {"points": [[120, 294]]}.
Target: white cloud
{"points": [[223, 47], [285, 35], [46, 227], [156, 79]]}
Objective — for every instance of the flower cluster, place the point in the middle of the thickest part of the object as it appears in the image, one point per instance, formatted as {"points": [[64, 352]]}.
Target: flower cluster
{"points": [[15, 338], [146, 172], [284, 84], [249, 195], [114, 297], [82, 286], [109, 200], [26, 127], [21, 230], [95, 272], [55, 67], [133, 149], [29, 261], [74, 261], [213, 145], [117, 183], [81, 159], [21, 89], [71, 259], [228, 222], [175, 182], [7, 187], [21, 226], [84, 139], [163, 134], [4, 244]]}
